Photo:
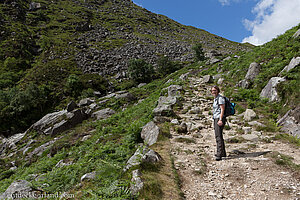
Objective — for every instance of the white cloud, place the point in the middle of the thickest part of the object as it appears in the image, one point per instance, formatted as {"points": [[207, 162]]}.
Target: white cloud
{"points": [[273, 17], [224, 2], [228, 2]]}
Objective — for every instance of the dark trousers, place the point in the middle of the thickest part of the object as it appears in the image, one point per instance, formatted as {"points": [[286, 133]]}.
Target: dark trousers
{"points": [[219, 138]]}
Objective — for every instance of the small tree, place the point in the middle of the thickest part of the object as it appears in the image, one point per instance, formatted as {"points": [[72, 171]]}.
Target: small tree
{"points": [[198, 52], [140, 71], [166, 66]]}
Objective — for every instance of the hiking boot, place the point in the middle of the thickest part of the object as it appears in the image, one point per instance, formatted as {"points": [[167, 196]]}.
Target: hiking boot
{"points": [[218, 158]]}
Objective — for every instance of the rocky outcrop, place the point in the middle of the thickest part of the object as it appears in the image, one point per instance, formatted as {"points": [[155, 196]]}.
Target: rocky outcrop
{"points": [[252, 72], [293, 63], [269, 90], [18, 190], [290, 122]]}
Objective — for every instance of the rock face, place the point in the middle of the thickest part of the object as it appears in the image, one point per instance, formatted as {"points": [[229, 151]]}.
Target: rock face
{"points": [[253, 71], [290, 122], [150, 133], [294, 63], [269, 90], [17, 188]]}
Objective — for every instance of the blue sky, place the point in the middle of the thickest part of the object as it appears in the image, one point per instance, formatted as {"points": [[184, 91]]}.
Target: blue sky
{"points": [[254, 21]]}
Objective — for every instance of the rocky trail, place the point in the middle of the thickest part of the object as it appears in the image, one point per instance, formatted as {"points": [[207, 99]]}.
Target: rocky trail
{"points": [[249, 171]]}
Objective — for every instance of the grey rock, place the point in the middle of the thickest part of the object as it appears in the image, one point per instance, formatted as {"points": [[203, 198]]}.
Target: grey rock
{"points": [[253, 71], [175, 121], [142, 154], [184, 76], [249, 115], [297, 34], [39, 150], [10, 142], [290, 124], [250, 137], [150, 133], [20, 187], [85, 102], [71, 106], [256, 123], [174, 90], [293, 63], [137, 183], [103, 114], [127, 96], [88, 176], [207, 79], [220, 81], [141, 85], [247, 130], [243, 84], [269, 90], [165, 106], [34, 6], [48, 121]]}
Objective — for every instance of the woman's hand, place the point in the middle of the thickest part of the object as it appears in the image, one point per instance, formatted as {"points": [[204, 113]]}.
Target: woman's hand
{"points": [[220, 123]]}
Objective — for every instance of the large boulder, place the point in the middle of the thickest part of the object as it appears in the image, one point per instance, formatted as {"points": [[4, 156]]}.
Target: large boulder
{"points": [[17, 190], [150, 133], [269, 90], [293, 63], [174, 90], [253, 71], [290, 122], [10, 143]]}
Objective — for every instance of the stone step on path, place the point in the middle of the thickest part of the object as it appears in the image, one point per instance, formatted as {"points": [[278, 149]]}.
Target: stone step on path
{"points": [[254, 176]]}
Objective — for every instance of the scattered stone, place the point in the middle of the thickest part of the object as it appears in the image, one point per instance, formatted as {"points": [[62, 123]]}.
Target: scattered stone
{"points": [[88, 176], [249, 115], [250, 137], [103, 114], [207, 79], [137, 183], [297, 34], [85, 102]]}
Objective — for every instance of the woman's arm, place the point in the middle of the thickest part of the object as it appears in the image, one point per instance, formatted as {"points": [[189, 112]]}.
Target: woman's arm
{"points": [[220, 122]]}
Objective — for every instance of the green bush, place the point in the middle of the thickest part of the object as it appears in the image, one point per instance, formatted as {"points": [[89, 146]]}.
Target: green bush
{"points": [[198, 52], [140, 71], [165, 66]]}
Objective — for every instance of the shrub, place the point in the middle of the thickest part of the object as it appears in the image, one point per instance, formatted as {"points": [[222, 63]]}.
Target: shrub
{"points": [[198, 52], [166, 66], [140, 71]]}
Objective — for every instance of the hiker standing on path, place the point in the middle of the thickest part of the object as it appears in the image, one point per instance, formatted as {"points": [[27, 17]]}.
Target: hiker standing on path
{"points": [[219, 121]]}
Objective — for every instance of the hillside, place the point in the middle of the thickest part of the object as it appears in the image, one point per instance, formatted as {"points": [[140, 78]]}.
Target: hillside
{"points": [[92, 136], [46, 46]]}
